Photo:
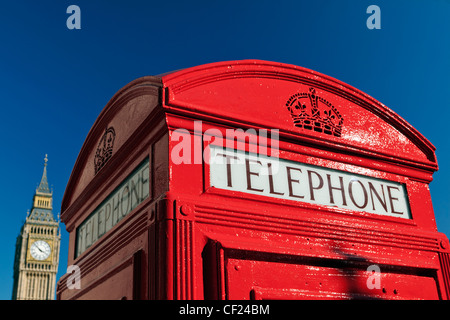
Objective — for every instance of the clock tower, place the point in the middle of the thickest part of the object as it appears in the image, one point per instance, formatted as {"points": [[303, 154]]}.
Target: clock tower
{"points": [[37, 248]]}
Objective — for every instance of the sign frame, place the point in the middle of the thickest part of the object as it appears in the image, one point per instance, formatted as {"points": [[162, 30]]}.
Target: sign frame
{"points": [[96, 213], [292, 153]]}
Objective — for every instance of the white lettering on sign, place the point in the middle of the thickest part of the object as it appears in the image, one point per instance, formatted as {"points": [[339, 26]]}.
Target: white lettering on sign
{"points": [[132, 191], [257, 174]]}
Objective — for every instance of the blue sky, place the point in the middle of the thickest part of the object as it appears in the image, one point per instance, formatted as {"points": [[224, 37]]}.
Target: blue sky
{"points": [[54, 81]]}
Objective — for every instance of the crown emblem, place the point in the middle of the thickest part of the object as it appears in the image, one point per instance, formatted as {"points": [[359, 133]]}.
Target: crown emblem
{"points": [[104, 149], [312, 112]]}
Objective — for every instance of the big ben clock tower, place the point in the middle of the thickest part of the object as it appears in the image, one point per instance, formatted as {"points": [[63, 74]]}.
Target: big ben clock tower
{"points": [[37, 248]]}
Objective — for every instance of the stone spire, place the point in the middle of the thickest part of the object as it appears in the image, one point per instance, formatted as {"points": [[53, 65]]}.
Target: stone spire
{"points": [[43, 186], [41, 209]]}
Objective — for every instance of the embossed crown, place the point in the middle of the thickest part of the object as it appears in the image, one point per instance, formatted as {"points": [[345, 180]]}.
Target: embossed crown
{"points": [[312, 112], [104, 149]]}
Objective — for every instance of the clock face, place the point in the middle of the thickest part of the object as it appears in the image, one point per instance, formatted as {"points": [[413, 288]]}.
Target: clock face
{"points": [[40, 250]]}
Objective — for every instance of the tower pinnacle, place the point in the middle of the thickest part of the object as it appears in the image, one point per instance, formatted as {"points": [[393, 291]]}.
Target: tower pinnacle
{"points": [[43, 186]]}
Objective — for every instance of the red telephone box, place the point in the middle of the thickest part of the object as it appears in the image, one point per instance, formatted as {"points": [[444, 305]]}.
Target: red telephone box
{"points": [[252, 180]]}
